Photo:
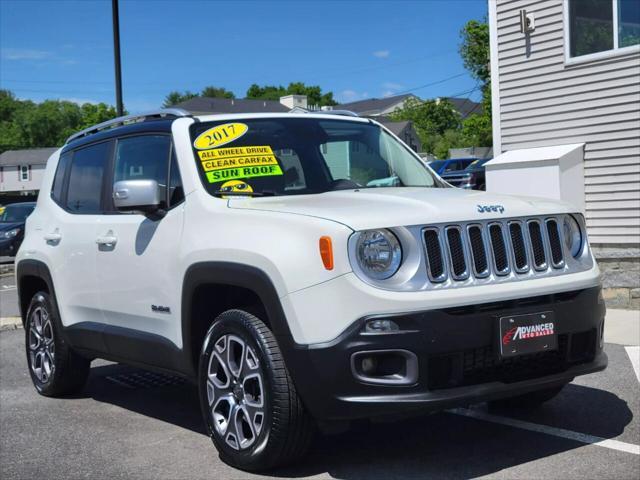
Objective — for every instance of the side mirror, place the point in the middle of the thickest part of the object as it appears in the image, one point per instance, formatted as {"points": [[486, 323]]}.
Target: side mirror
{"points": [[137, 195]]}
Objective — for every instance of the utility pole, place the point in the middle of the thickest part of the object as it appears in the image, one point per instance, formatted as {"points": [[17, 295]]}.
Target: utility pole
{"points": [[116, 55]]}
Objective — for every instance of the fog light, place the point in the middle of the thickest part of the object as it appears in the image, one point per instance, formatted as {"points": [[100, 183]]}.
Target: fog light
{"points": [[380, 326], [369, 365]]}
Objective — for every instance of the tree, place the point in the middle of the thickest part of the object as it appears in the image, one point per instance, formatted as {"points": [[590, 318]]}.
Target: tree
{"points": [[431, 119], [272, 92], [474, 49], [216, 92], [25, 124], [175, 97]]}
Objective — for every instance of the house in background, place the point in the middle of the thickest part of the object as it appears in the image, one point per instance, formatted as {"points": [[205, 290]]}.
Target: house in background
{"points": [[21, 172], [208, 106], [566, 77], [382, 107]]}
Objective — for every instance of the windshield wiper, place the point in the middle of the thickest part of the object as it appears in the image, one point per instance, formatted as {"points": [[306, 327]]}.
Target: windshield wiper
{"points": [[220, 193]]}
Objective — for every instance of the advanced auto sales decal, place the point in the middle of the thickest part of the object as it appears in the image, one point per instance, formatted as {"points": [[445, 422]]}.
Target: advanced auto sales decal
{"points": [[528, 331]]}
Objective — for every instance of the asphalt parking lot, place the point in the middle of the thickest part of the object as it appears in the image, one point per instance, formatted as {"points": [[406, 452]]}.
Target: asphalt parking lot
{"points": [[8, 296], [132, 424]]}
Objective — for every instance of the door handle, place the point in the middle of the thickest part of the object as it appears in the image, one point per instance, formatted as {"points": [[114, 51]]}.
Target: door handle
{"points": [[108, 240], [53, 237]]}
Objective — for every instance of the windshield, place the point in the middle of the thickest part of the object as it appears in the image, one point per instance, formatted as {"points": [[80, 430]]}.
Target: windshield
{"points": [[295, 156], [477, 163], [15, 213]]}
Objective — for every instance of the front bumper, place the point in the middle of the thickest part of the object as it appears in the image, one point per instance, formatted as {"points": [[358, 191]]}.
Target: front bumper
{"points": [[457, 358]]}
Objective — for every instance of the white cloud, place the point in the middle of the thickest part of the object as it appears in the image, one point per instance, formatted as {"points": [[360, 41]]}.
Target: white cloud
{"points": [[80, 101], [392, 86], [351, 96], [381, 53], [388, 93], [23, 54]]}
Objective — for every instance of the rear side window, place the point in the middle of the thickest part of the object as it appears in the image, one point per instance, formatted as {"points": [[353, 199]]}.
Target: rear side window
{"points": [[85, 178], [58, 180]]}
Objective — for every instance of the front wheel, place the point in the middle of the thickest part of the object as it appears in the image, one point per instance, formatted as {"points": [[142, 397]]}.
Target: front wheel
{"points": [[249, 403]]}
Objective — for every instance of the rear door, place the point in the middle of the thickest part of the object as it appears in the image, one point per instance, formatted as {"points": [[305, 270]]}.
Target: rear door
{"points": [[70, 232], [138, 265]]}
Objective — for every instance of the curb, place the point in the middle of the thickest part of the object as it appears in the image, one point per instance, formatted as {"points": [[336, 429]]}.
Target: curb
{"points": [[10, 323]]}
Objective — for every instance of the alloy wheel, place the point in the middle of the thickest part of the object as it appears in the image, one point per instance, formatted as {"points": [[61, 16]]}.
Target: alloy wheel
{"points": [[41, 344], [235, 392]]}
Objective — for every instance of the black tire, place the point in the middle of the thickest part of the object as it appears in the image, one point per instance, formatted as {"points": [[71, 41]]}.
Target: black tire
{"points": [[55, 369], [285, 430], [527, 401]]}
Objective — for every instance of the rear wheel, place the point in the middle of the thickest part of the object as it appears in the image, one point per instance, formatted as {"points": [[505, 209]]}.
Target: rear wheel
{"points": [[528, 400], [250, 407], [54, 367]]}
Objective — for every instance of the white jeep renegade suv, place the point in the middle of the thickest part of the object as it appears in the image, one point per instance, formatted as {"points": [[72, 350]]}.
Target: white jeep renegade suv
{"points": [[303, 270]]}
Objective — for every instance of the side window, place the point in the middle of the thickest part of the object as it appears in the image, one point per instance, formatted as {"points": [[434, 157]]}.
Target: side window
{"points": [[143, 157], [176, 191], [58, 179], [85, 179]]}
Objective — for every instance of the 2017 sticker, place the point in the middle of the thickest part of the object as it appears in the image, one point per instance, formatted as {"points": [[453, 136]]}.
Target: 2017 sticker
{"points": [[220, 135]]}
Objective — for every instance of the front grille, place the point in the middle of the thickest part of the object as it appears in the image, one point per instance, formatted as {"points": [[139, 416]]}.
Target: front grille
{"points": [[493, 248], [478, 252], [456, 253], [537, 244], [519, 248], [434, 255], [555, 244], [482, 365], [499, 249]]}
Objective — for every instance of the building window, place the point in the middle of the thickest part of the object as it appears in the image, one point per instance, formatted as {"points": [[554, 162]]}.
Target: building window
{"points": [[24, 173], [597, 26]]}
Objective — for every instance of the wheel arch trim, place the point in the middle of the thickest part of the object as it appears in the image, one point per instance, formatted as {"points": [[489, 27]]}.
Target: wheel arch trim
{"points": [[234, 275]]}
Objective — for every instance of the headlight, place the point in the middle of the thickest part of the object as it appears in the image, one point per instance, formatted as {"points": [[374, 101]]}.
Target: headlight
{"points": [[572, 235], [12, 233], [379, 253]]}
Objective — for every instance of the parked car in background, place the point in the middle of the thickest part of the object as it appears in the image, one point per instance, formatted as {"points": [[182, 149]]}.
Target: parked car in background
{"points": [[450, 165], [12, 220], [471, 177]]}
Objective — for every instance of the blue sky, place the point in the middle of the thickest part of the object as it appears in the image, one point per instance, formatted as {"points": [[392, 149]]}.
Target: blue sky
{"points": [[357, 49]]}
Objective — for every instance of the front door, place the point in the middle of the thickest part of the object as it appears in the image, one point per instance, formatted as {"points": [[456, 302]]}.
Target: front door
{"points": [[137, 260]]}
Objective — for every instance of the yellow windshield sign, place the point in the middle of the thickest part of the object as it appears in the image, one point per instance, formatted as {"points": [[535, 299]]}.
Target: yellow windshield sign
{"points": [[220, 135]]}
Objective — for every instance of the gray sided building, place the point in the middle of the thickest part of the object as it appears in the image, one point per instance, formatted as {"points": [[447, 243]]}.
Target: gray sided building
{"points": [[568, 72]]}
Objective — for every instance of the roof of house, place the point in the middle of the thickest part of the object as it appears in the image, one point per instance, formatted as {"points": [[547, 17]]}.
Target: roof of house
{"points": [[200, 105], [373, 106], [464, 106], [32, 156], [397, 127]]}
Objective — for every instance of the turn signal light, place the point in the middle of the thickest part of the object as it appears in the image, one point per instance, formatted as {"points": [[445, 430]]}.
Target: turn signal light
{"points": [[326, 252]]}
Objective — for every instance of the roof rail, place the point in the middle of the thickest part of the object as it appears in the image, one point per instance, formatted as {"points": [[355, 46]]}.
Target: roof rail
{"points": [[119, 121], [347, 113]]}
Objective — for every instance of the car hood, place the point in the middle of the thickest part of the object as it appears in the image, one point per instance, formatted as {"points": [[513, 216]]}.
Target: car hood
{"points": [[5, 227], [392, 207]]}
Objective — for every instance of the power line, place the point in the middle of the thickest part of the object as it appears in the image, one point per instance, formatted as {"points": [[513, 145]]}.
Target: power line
{"points": [[429, 84]]}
